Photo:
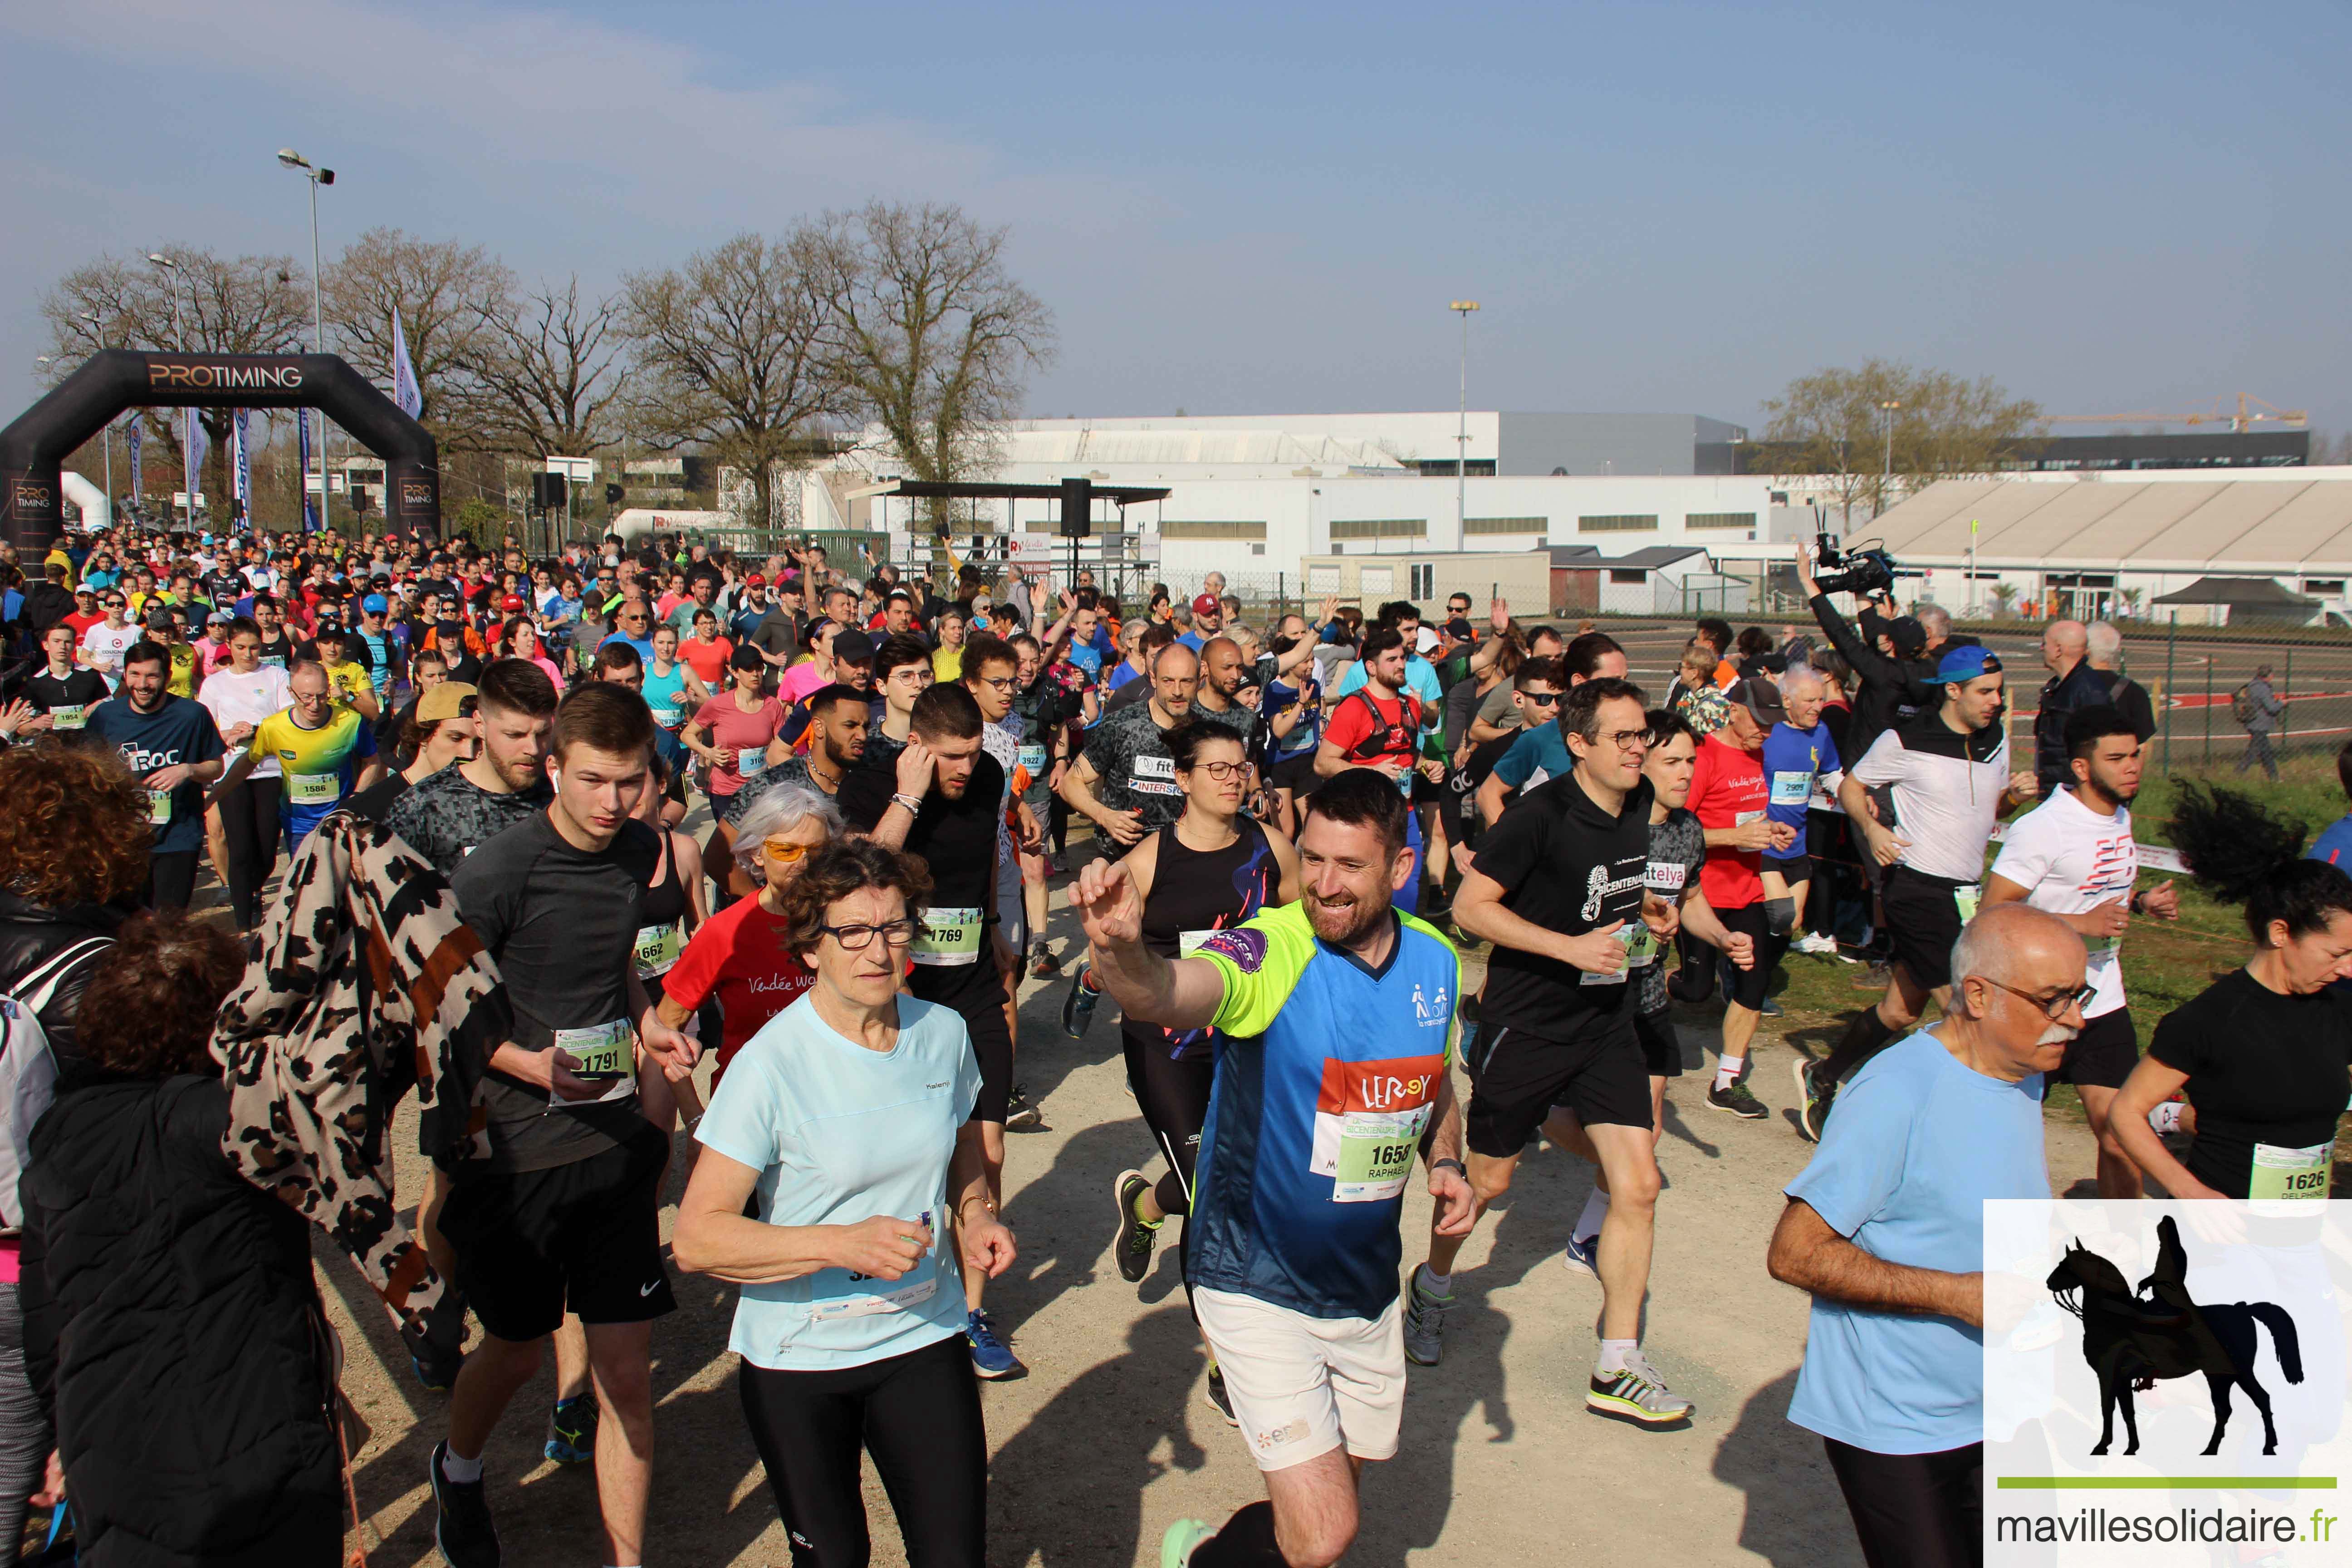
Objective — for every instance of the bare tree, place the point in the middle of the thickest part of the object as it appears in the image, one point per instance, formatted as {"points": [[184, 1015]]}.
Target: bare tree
{"points": [[1884, 429], [236, 305], [730, 352], [549, 379], [445, 293], [931, 335]]}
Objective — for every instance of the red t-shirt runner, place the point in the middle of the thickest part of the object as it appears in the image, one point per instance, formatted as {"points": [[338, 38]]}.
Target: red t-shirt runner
{"points": [[1368, 730], [1726, 790], [740, 954]]}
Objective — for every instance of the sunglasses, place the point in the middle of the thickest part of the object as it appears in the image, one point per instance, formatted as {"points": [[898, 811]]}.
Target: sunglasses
{"points": [[784, 851], [1541, 699]]}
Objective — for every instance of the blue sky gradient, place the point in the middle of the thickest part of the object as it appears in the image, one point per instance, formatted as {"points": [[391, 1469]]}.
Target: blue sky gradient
{"points": [[2107, 208]]}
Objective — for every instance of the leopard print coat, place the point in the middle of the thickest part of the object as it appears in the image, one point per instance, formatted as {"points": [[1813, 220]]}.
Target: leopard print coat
{"points": [[367, 985]]}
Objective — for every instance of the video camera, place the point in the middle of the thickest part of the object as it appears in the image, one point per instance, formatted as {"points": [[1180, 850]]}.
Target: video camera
{"points": [[1866, 570]]}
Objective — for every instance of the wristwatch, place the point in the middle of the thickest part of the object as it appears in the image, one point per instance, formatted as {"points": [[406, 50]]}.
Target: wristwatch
{"points": [[1458, 1168]]}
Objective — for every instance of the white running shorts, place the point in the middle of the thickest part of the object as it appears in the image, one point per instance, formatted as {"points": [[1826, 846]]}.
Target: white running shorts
{"points": [[1302, 1386]]}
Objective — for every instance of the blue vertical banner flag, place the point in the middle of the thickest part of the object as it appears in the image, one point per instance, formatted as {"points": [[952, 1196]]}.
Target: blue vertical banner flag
{"points": [[194, 443], [244, 476], [135, 488], [405, 390], [302, 467]]}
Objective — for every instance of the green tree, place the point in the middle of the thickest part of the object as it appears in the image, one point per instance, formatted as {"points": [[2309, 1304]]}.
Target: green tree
{"points": [[1884, 429]]}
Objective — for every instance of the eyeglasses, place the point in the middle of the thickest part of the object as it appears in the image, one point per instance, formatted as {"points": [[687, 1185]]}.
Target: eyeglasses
{"points": [[1625, 740], [1541, 699], [2050, 1008], [1220, 771], [998, 682], [856, 938], [784, 851]]}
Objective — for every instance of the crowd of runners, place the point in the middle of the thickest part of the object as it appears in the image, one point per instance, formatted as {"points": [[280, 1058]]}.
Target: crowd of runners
{"points": [[1292, 831]]}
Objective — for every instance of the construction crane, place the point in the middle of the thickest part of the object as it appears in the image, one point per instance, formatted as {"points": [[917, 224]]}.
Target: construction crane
{"points": [[2243, 419]]}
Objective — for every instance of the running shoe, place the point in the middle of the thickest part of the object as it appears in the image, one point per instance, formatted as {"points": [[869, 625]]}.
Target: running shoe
{"points": [[463, 1530], [1018, 1111], [1818, 944], [1079, 1006], [1812, 1102], [1131, 1244], [1043, 964], [436, 1341], [1218, 1401], [1425, 1320], [991, 1356], [1583, 1255], [1183, 1539], [1636, 1396], [572, 1430], [1059, 865], [1737, 1101], [1767, 1009]]}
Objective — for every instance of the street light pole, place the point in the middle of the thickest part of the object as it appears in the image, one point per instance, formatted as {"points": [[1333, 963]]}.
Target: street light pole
{"points": [[180, 341], [317, 176], [1463, 308], [95, 319], [1887, 405]]}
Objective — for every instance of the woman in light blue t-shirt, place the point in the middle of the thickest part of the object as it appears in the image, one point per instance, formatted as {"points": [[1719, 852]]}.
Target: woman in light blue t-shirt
{"points": [[848, 1119]]}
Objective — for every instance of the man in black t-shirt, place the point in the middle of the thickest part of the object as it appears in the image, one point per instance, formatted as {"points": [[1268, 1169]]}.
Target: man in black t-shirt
{"points": [[1558, 887], [936, 797], [565, 1215]]}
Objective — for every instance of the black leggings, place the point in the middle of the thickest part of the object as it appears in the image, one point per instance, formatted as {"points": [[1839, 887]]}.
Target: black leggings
{"points": [[170, 880], [1174, 1099], [249, 822], [918, 1415], [1915, 1511]]}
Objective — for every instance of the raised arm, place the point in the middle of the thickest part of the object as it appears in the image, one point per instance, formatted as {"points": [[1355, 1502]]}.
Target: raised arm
{"points": [[1179, 994]]}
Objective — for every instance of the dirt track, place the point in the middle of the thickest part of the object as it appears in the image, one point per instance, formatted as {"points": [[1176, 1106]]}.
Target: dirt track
{"points": [[1109, 1440]]}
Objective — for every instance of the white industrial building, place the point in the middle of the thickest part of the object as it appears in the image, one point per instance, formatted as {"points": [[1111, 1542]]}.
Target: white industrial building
{"points": [[1640, 513]]}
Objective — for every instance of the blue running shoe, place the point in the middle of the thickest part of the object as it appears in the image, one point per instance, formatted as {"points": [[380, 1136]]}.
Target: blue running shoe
{"points": [[991, 1357], [1583, 1256], [572, 1430], [1079, 1006]]}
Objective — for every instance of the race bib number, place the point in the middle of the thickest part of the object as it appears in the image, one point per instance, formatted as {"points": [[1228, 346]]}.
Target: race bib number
{"points": [[751, 762], [2101, 951], [72, 717], [1153, 776], [1965, 898], [1188, 943], [1635, 938], [836, 1293], [158, 807], [1032, 756], [605, 1053], [1792, 789], [1368, 1117], [947, 938], [2291, 1173], [1742, 818], [657, 949], [667, 716], [314, 789]]}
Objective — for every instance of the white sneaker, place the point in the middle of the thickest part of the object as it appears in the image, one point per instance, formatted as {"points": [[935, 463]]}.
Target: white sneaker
{"points": [[1818, 943]]}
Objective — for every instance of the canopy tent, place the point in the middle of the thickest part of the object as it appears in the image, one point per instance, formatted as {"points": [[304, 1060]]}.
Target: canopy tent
{"points": [[2239, 592]]}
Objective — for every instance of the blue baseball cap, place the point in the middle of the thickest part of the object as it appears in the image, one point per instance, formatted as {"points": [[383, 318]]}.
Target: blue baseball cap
{"points": [[1965, 664], [374, 604]]}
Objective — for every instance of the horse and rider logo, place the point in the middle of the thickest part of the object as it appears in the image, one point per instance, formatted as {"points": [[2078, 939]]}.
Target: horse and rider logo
{"points": [[2135, 1339]]}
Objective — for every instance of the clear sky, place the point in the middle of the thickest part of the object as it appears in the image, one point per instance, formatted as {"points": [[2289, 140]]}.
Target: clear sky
{"points": [[1251, 209]]}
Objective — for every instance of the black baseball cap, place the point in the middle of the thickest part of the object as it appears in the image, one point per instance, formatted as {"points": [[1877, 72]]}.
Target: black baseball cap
{"points": [[1760, 698], [851, 643]]}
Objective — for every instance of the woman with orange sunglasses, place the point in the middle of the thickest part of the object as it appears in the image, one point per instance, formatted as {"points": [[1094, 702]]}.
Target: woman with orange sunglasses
{"points": [[740, 955]]}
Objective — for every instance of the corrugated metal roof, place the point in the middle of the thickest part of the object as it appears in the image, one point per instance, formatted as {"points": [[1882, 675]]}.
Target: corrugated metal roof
{"points": [[1656, 556]]}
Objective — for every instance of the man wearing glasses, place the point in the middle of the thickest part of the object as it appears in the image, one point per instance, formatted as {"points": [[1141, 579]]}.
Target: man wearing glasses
{"points": [[634, 626], [103, 645], [1885, 1229], [1559, 888]]}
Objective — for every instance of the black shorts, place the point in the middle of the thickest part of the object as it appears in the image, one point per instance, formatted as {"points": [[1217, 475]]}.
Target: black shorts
{"points": [[1427, 791], [976, 991], [1517, 1077], [584, 1237], [1749, 985], [1796, 868], [2102, 1055], [1295, 773], [1662, 1048], [1923, 916]]}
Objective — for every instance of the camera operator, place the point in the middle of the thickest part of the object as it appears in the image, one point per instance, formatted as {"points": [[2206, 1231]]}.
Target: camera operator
{"points": [[1889, 689]]}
